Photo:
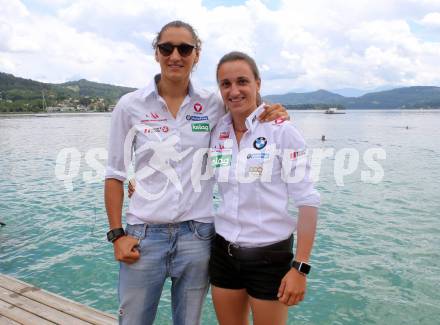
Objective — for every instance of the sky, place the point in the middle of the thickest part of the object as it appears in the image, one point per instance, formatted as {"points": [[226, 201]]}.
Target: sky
{"points": [[298, 45]]}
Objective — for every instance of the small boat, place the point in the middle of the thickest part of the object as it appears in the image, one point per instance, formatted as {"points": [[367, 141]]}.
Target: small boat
{"points": [[333, 110], [44, 107]]}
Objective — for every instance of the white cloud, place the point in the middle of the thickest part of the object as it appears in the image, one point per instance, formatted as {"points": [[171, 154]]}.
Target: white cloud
{"points": [[44, 48], [10, 8], [7, 64], [432, 19], [303, 44]]}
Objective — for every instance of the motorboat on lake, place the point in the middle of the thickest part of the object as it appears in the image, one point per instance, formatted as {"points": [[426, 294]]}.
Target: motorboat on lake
{"points": [[334, 110]]}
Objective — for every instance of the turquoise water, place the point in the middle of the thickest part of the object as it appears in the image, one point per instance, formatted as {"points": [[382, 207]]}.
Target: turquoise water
{"points": [[376, 258]]}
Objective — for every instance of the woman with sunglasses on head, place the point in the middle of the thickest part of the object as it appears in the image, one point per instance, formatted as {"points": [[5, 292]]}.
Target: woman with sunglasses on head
{"points": [[167, 125], [251, 259]]}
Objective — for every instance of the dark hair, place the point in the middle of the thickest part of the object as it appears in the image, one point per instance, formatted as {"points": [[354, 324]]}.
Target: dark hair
{"points": [[179, 24], [240, 56]]}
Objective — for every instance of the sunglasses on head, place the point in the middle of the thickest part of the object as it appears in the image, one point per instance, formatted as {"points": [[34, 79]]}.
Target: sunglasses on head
{"points": [[166, 49]]}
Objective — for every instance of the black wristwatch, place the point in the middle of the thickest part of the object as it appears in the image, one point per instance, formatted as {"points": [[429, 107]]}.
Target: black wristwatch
{"points": [[302, 267], [114, 234]]}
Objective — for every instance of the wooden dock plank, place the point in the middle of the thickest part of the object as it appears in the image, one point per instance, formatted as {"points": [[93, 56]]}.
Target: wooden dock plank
{"points": [[57, 302], [36, 308], [21, 316], [7, 321]]}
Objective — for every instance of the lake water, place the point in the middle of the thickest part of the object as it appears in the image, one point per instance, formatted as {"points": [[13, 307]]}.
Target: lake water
{"points": [[376, 258]]}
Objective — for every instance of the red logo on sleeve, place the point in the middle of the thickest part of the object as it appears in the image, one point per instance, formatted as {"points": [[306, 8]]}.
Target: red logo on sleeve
{"points": [[279, 120]]}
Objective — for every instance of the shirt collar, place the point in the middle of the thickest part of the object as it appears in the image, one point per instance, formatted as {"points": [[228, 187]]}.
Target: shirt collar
{"points": [[252, 120], [151, 88]]}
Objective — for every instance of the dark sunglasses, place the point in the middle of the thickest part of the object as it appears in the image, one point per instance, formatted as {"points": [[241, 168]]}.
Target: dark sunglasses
{"points": [[166, 49]]}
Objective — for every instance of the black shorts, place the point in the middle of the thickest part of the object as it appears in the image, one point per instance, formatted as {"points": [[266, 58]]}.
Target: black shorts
{"points": [[258, 270]]}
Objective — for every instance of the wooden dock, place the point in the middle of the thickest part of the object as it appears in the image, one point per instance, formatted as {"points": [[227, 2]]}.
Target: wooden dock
{"points": [[22, 303]]}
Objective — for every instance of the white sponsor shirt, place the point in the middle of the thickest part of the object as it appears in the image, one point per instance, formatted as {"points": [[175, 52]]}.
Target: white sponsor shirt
{"points": [[257, 179], [169, 154]]}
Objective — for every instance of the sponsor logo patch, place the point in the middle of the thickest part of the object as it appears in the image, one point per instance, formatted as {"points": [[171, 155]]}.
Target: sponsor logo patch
{"points": [[221, 161], [200, 127], [296, 154], [255, 170], [259, 155], [260, 143], [221, 150], [150, 121], [196, 118], [157, 129], [224, 135], [198, 107], [153, 117]]}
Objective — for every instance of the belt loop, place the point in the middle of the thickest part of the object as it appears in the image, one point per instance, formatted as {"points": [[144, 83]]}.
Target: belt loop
{"points": [[145, 230], [191, 225], [232, 245], [229, 249]]}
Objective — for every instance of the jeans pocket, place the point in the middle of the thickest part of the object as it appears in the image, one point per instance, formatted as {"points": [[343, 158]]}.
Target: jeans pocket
{"points": [[136, 231], [203, 231]]}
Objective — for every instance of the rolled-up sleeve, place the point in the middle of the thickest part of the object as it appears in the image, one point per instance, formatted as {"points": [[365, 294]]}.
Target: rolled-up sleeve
{"points": [[294, 161], [119, 129]]}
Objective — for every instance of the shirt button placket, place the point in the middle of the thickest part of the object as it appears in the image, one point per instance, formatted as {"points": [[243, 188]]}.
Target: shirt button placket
{"points": [[178, 168], [235, 210]]}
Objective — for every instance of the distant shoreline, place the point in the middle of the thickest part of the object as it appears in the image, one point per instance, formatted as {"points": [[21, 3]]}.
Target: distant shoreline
{"points": [[51, 114], [366, 109], [293, 110]]}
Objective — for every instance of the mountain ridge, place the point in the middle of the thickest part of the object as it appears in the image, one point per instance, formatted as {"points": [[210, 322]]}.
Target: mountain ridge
{"points": [[21, 95], [398, 98]]}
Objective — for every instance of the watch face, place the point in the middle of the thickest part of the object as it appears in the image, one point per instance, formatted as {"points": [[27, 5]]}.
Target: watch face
{"points": [[305, 268], [110, 235], [302, 267], [114, 234]]}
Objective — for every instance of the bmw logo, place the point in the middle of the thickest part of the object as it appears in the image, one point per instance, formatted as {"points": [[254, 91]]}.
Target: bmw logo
{"points": [[260, 143]]}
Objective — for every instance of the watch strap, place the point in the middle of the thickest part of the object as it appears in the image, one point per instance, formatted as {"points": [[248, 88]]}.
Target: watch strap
{"points": [[301, 267], [114, 234]]}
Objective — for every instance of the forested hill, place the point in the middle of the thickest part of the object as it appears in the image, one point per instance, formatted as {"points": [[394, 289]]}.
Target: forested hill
{"points": [[399, 98], [18, 94], [25, 95]]}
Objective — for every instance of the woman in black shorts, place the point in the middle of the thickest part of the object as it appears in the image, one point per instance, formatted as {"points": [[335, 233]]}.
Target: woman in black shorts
{"points": [[258, 168]]}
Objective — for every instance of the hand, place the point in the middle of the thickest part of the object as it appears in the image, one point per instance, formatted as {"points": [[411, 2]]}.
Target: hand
{"points": [[125, 249], [274, 112], [131, 187], [293, 288]]}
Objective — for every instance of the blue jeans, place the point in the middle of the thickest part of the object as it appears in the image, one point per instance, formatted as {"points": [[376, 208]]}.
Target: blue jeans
{"points": [[180, 251]]}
